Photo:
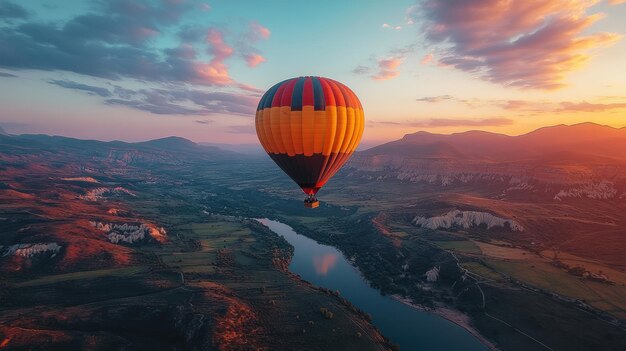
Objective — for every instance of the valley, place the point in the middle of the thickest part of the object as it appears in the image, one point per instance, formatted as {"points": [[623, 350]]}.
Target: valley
{"points": [[108, 254], [160, 233]]}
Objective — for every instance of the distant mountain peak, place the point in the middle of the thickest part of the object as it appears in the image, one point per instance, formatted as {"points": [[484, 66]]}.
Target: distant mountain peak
{"points": [[170, 142], [590, 139], [173, 139]]}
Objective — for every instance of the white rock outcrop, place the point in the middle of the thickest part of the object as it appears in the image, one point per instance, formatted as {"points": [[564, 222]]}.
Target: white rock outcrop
{"points": [[432, 275], [602, 190], [466, 219], [30, 250], [100, 193], [130, 233]]}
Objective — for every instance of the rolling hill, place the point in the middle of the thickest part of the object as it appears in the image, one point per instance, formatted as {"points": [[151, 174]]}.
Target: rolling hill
{"points": [[559, 155]]}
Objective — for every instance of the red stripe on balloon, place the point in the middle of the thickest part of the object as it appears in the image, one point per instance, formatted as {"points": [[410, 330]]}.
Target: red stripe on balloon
{"points": [[307, 92], [329, 96], [288, 92], [276, 101]]}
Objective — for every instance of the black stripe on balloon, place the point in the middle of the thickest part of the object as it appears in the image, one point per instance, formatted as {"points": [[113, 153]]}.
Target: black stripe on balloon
{"points": [[307, 171], [296, 98], [318, 95]]}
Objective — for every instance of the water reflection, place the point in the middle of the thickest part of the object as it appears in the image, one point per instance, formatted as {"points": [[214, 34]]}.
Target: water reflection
{"points": [[324, 263], [411, 328]]}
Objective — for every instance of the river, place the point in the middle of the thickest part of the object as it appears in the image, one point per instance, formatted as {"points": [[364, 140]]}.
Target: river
{"points": [[409, 327]]}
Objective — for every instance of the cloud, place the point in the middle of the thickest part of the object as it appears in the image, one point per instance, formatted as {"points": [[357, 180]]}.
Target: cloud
{"points": [[182, 101], [433, 99], [409, 14], [7, 75], [537, 107], [92, 90], [616, 2], [257, 32], [387, 25], [117, 43], [254, 60], [473, 103], [215, 71], [426, 59], [449, 122], [9, 10], [246, 45], [562, 106], [517, 105], [173, 100], [522, 105], [123, 92], [204, 121], [191, 33], [522, 43], [388, 68], [361, 70], [156, 105], [589, 107]]}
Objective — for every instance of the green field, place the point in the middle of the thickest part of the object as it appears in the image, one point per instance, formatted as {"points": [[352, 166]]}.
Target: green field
{"points": [[483, 271], [56, 278], [550, 278], [464, 246]]}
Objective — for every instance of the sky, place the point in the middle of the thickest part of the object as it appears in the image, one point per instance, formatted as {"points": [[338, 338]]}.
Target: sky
{"points": [[136, 70]]}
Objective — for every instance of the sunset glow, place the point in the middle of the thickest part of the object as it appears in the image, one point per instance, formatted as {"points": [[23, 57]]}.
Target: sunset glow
{"points": [[131, 70]]}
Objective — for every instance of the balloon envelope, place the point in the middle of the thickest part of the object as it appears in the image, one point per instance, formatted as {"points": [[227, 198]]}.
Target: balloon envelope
{"points": [[310, 126]]}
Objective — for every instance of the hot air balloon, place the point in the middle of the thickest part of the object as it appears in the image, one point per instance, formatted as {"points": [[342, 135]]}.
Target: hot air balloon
{"points": [[310, 126]]}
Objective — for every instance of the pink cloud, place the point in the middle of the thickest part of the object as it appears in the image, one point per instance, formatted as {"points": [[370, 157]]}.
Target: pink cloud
{"points": [[254, 60], [215, 72], [246, 45], [523, 43], [388, 68], [426, 59], [390, 63], [257, 32], [386, 75], [219, 48], [616, 2]]}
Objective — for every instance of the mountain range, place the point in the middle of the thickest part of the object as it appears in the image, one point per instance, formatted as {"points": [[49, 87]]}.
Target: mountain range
{"points": [[562, 154], [588, 140], [169, 150], [576, 154]]}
